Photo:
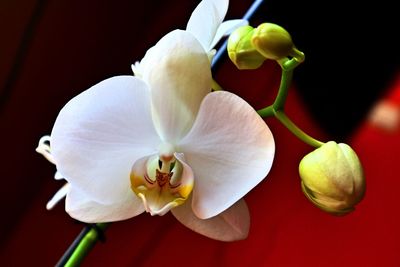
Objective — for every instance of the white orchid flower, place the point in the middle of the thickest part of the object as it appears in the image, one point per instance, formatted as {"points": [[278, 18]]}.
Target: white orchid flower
{"points": [[162, 142], [206, 25]]}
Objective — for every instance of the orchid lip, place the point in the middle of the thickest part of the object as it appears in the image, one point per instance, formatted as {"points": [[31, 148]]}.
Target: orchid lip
{"points": [[161, 181]]}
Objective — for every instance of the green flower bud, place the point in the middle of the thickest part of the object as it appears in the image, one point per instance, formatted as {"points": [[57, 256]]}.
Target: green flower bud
{"points": [[272, 41], [241, 51], [332, 178]]}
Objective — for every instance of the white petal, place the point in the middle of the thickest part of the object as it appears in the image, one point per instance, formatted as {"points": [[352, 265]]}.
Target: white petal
{"points": [[178, 73], [100, 133], [60, 194], [226, 28], [232, 224], [44, 148], [58, 176], [136, 69], [82, 208], [205, 20], [230, 149]]}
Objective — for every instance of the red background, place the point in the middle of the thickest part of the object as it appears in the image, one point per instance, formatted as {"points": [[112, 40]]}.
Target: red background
{"points": [[69, 46]]}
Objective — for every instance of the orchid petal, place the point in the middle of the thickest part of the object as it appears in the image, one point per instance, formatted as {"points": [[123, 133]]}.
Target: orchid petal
{"points": [[44, 148], [232, 224], [58, 176], [83, 208], [230, 149], [136, 69], [205, 20], [161, 195], [178, 72], [100, 133], [226, 28], [58, 196]]}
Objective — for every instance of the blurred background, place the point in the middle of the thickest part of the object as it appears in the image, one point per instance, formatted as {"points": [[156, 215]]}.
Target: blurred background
{"points": [[51, 51]]}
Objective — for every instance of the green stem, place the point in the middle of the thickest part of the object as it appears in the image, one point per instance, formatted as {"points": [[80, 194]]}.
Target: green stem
{"points": [[288, 66], [85, 245], [277, 108], [266, 112], [284, 119], [286, 79]]}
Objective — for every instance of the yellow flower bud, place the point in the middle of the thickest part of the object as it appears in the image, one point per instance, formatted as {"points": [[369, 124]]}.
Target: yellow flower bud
{"points": [[241, 51], [332, 178], [272, 41]]}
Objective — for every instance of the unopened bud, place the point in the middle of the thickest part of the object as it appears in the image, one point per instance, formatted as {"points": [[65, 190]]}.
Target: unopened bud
{"points": [[272, 41], [241, 50], [332, 178]]}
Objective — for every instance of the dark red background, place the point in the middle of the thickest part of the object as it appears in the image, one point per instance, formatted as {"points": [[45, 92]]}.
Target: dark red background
{"points": [[52, 50]]}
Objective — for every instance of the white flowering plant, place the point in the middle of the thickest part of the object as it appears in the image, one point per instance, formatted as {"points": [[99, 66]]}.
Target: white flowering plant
{"points": [[169, 139]]}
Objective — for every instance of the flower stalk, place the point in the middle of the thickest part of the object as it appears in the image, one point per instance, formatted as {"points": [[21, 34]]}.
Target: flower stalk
{"points": [[284, 119], [277, 108], [82, 245]]}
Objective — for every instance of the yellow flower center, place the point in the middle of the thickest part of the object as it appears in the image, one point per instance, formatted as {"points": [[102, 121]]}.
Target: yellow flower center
{"points": [[161, 182]]}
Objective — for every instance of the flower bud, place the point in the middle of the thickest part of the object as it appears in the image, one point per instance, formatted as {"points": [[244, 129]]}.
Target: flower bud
{"points": [[241, 51], [272, 41], [332, 178]]}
